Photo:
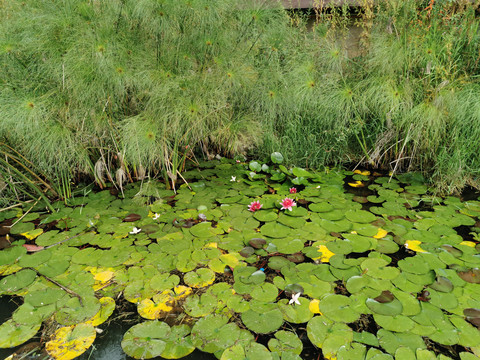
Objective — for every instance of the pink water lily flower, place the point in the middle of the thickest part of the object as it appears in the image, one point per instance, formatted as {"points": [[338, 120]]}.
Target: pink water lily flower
{"points": [[254, 206], [293, 190], [287, 203]]}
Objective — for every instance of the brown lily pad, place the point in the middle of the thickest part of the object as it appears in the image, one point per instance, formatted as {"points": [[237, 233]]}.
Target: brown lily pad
{"points": [[471, 276], [132, 217]]}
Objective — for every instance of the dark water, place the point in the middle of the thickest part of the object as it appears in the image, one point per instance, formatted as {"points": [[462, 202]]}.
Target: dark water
{"points": [[106, 346]]}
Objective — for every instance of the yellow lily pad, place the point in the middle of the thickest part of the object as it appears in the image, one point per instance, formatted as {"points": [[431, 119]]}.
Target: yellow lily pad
{"points": [[151, 311], [30, 235], [313, 306], [381, 233], [326, 254], [70, 342], [364, 172], [414, 245], [181, 292], [356, 184], [107, 305], [468, 243]]}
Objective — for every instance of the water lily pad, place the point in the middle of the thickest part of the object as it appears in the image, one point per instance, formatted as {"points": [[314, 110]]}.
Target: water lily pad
{"points": [[107, 305], [71, 341], [146, 340], [22, 227], [213, 333], [262, 323], [285, 341], [328, 335], [54, 266], [247, 350], [442, 284], [390, 308], [276, 157], [13, 283], [265, 215], [178, 343], [199, 278], [266, 292], [338, 308], [199, 306], [295, 313], [377, 268], [399, 323], [275, 230], [44, 296], [11, 254], [320, 207], [74, 311], [414, 265], [360, 216], [161, 282], [13, 334], [392, 341], [204, 230], [471, 275], [151, 310]]}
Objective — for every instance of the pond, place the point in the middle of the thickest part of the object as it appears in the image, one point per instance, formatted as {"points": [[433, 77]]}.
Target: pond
{"points": [[249, 260]]}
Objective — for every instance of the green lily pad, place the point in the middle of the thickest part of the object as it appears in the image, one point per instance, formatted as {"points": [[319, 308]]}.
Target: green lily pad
{"points": [[13, 334], [265, 215], [338, 308], [266, 292], [200, 306], [392, 341], [285, 341], [43, 297], [199, 278], [27, 314], [165, 281], [276, 157], [390, 308], [377, 268], [10, 255], [399, 323], [213, 333], [146, 340], [247, 350], [13, 283], [54, 267], [21, 227], [275, 230], [262, 323], [328, 335], [442, 284], [414, 265], [360, 216], [294, 313], [74, 312], [320, 207], [293, 222], [178, 343]]}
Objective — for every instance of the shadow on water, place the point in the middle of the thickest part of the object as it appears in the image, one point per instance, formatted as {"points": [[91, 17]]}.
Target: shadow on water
{"points": [[8, 304], [107, 346]]}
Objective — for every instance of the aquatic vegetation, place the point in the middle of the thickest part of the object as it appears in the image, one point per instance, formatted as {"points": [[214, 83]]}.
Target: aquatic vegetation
{"points": [[394, 276], [130, 90]]}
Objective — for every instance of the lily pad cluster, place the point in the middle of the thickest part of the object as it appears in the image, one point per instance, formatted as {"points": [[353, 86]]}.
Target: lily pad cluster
{"points": [[362, 267]]}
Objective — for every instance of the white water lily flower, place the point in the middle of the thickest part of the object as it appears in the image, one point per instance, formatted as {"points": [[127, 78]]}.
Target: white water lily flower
{"points": [[294, 299], [135, 231], [156, 216], [234, 178]]}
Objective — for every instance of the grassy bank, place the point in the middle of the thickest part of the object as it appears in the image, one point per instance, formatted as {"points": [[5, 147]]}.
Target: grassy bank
{"points": [[121, 90]]}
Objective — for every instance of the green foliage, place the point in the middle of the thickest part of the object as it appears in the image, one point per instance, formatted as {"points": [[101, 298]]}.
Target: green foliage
{"points": [[117, 90]]}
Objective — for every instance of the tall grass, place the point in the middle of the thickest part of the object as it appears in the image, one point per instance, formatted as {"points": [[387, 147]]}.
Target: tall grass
{"points": [[111, 89]]}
